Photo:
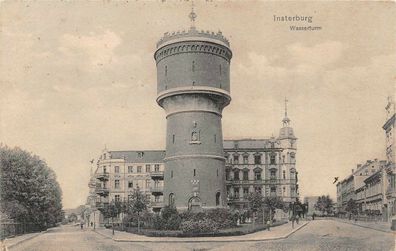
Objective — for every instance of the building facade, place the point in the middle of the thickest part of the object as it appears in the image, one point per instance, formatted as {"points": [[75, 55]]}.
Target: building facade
{"points": [[390, 170], [266, 166], [377, 193], [356, 185]]}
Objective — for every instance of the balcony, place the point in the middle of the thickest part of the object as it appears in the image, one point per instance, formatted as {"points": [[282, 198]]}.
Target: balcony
{"points": [[157, 204], [157, 175], [102, 176], [102, 191], [100, 205], [157, 189]]}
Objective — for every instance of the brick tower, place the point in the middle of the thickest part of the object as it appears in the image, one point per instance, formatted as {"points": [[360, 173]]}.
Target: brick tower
{"points": [[193, 76]]}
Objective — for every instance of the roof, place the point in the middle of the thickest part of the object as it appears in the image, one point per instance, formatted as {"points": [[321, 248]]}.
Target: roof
{"points": [[150, 156], [193, 34], [245, 143], [286, 133]]}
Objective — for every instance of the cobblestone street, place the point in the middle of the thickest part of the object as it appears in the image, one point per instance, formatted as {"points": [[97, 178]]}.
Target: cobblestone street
{"points": [[317, 235]]}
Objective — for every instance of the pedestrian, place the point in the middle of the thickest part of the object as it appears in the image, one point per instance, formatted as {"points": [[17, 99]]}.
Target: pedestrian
{"points": [[313, 216], [292, 220], [268, 225], [81, 225], [3, 246], [297, 219]]}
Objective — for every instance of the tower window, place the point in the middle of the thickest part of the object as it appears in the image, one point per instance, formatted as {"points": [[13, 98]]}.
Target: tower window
{"points": [[220, 70], [215, 138], [217, 198], [166, 70], [217, 172], [171, 173], [173, 139], [193, 66], [171, 199], [195, 172]]}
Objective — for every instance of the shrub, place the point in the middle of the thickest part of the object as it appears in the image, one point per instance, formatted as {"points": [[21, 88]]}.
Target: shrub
{"points": [[168, 220], [201, 226], [173, 223], [223, 217]]}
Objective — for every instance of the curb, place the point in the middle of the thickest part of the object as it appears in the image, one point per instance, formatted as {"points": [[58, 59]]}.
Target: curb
{"points": [[23, 240], [351, 223], [194, 241]]}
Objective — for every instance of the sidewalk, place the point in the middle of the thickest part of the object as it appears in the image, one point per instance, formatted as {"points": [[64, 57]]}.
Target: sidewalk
{"points": [[11, 242], [379, 225], [276, 233]]}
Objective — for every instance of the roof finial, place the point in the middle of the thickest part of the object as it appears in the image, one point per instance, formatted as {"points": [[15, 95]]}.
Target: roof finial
{"points": [[192, 15], [286, 120], [286, 107]]}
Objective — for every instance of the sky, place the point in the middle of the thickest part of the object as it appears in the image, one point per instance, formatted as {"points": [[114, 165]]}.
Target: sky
{"points": [[77, 76]]}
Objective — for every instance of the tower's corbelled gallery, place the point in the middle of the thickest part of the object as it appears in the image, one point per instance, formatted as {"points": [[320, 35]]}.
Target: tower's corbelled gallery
{"points": [[193, 75]]}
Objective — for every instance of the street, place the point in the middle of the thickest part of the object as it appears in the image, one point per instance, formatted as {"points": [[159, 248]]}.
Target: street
{"points": [[317, 235]]}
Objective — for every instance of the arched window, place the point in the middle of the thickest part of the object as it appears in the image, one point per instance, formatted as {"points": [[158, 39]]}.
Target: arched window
{"points": [[218, 199], [171, 199]]}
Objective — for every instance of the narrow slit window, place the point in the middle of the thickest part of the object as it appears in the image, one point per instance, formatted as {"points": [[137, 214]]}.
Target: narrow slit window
{"points": [[166, 70], [215, 138], [193, 66], [195, 172], [173, 138], [220, 70]]}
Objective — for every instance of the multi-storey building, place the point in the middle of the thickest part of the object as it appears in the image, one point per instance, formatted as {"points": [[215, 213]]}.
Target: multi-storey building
{"points": [[389, 128], [353, 186], [266, 166], [119, 173]]}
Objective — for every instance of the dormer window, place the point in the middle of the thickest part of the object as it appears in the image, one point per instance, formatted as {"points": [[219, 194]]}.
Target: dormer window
{"points": [[140, 155]]}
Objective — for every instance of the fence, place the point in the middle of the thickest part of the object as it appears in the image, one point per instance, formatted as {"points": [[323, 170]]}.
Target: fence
{"points": [[10, 229]]}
